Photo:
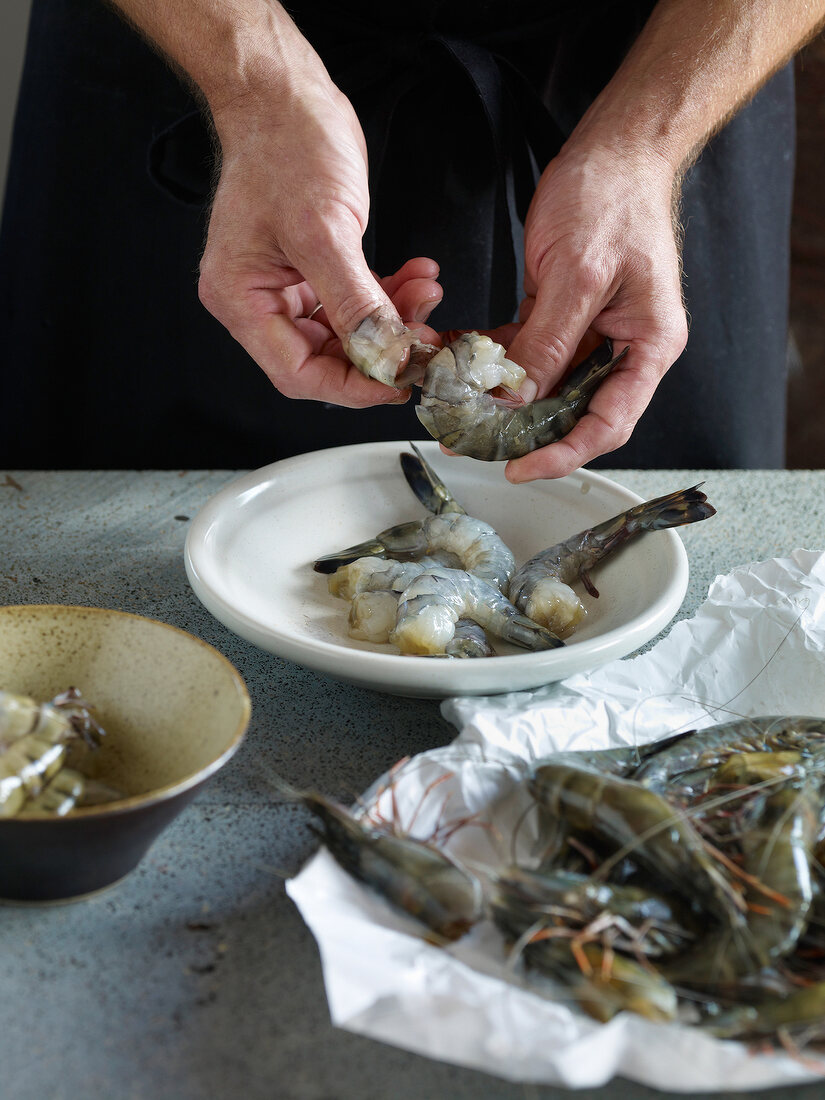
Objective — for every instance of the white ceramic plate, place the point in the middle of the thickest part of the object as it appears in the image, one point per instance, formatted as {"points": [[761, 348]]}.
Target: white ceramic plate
{"points": [[250, 550]]}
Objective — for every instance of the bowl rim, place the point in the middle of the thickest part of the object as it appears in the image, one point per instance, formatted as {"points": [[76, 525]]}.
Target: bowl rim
{"points": [[170, 790]]}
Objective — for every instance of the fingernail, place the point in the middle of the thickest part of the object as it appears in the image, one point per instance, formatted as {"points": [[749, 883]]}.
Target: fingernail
{"points": [[527, 390], [425, 309]]}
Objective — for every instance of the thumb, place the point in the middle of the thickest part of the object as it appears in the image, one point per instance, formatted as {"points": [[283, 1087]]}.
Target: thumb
{"points": [[373, 336], [549, 338]]}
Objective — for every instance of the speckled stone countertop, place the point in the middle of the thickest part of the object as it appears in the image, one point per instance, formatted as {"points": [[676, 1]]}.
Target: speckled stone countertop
{"points": [[195, 977]]}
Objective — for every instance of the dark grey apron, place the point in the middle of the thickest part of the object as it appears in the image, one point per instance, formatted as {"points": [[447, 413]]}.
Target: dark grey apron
{"points": [[107, 358]]}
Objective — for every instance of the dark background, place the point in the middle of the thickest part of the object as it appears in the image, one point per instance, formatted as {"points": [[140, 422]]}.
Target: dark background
{"points": [[806, 415]]}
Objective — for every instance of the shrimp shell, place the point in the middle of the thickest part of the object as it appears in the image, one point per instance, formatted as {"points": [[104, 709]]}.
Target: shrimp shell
{"points": [[458, 410], [411, 874], [386, 350]]}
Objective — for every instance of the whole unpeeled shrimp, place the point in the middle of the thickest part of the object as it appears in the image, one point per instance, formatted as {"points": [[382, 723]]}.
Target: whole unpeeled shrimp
{"points": [[687, 762], [777, 839], [474, 544], [541, 587], [601, 981], [631, 818], [413, 875], [433, 603], [458, 409]]}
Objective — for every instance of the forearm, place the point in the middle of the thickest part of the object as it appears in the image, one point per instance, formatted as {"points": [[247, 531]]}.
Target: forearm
{"points": [[694, 64], [236, 52]]}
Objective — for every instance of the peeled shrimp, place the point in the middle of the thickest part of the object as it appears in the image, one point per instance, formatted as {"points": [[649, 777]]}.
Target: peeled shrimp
{"points": [[384, 349], [472, 543], [432, 604], [374, 585], [541, 587]]}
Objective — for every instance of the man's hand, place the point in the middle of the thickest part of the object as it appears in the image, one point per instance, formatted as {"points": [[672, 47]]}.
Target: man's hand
{"points": [[601, 259], [292, 201], [601, 253], [285, 234]]}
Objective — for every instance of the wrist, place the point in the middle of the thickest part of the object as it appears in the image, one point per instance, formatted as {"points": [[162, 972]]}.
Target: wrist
{"points": [[239, 56]]}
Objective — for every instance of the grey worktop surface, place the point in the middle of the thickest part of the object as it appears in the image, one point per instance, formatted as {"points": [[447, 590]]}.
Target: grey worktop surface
{"points": [[196, 976]]}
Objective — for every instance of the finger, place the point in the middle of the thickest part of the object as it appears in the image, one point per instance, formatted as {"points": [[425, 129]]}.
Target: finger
{"points": [[302, 361], [330, 257], [558, 318], [416, 299], [526, 307], [421, 267]]}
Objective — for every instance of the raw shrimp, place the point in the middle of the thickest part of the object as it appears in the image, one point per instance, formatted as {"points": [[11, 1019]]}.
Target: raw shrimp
{"points": [[794, 1010], [60, 795], [777, 836], [459, 411], [413, 875], [631, 818], [687, 762], [34, 742], [541, 587], [384, 349], [601, 982], [474, 544], [642, 921], [430, 607], [374, 585]]}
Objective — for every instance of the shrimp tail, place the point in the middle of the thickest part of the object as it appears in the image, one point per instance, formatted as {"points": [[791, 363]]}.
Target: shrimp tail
{"points": [[331, 563], [428, 487], [523, 632], [673, 510], [405, 540], [583, 381]]}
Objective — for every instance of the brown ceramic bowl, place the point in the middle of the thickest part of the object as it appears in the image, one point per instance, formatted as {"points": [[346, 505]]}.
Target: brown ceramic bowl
{"points": [[174, 711]]}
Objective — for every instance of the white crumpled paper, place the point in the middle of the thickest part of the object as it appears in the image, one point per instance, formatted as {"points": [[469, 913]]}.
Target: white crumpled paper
{"points": [[754, 647]]}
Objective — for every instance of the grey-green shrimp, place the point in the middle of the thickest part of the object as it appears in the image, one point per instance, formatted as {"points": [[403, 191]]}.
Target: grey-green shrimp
{"points": [[458, 409], [794, 1010], [469, 542], [630, 818], [687, 762], [641, 921], [541, 587], [774, 837], [417, 877], [600, 981], [433, 603]]}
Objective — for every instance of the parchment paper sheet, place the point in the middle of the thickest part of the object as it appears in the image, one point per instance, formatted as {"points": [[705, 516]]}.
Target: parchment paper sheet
{"points": [[754, 647]]}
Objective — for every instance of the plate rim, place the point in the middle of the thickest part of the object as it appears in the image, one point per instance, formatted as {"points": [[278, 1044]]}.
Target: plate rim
{"points": [[392, 672]]}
